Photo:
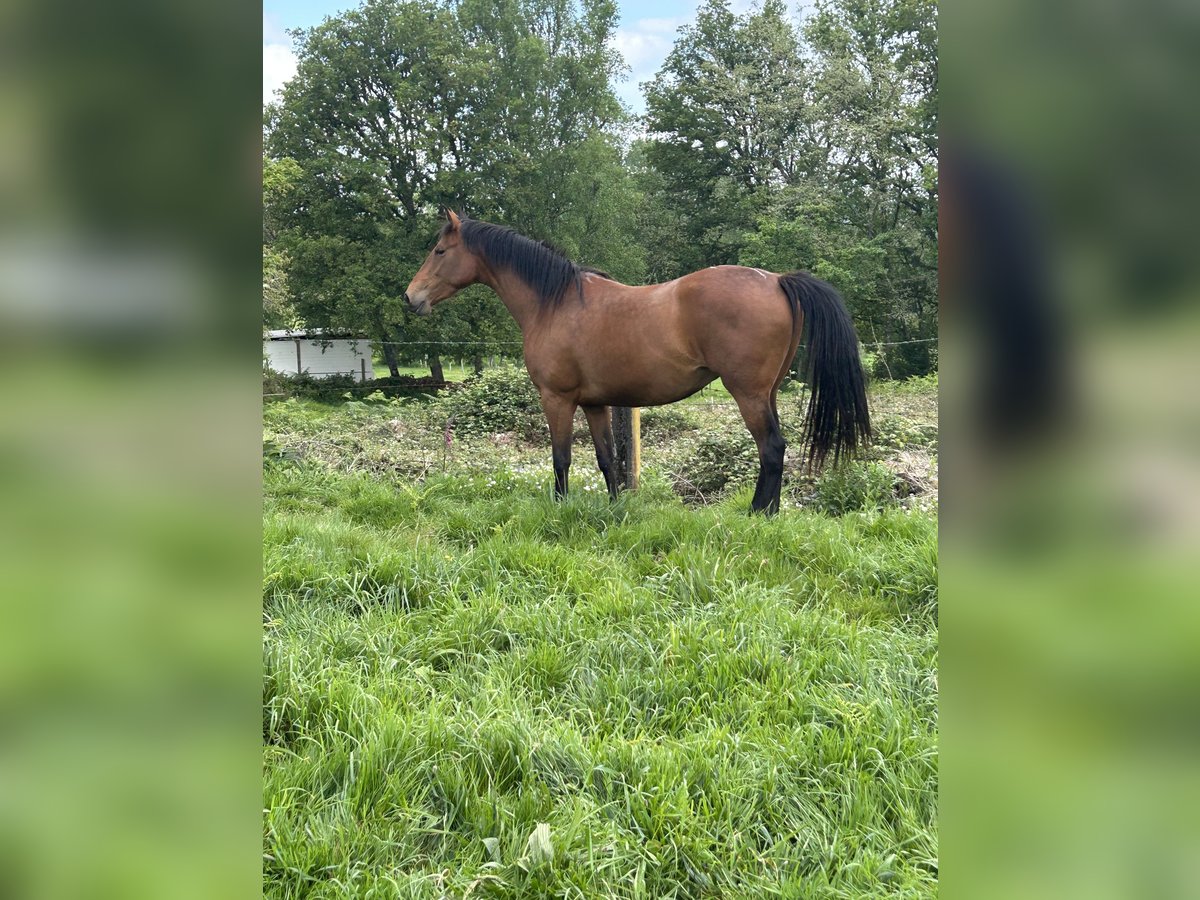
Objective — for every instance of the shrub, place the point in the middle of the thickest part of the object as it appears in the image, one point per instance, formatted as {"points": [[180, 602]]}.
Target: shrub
{"points": [[501, 399], [915, 386], [897, 432], [874, 364], [720, 459], [330, 389], [667, 422], [337, 388], [854, 486], [793, 385]]}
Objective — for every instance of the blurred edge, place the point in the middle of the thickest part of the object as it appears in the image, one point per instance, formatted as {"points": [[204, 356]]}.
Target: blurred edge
{"points": [[129, 285], [128, 274], [1070, 377]]}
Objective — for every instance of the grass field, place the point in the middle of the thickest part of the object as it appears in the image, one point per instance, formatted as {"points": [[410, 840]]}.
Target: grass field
{"points": [[474, 690]]}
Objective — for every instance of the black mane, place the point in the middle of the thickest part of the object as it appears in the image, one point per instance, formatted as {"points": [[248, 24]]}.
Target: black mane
{"points": [[540, 265]]}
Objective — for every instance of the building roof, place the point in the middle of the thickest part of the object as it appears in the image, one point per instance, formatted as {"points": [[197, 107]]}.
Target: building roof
{"points": [[324, 334]]}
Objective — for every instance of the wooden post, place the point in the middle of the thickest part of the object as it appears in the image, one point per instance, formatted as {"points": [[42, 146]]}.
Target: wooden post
{"points": [[635, 471], [363, 362], [627, 434]]}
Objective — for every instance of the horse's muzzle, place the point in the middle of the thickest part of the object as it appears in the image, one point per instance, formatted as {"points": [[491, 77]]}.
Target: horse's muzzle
{"points": [[423, 308]]}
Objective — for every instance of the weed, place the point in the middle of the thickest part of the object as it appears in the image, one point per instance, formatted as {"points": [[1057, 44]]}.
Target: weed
{"points": [[853, 486]]}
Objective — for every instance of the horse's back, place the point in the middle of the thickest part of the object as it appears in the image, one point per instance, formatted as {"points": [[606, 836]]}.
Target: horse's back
{"points": [[741, 297]]}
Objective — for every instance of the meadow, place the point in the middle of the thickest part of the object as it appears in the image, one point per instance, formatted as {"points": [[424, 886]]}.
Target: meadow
{"points": [[474, 690]]}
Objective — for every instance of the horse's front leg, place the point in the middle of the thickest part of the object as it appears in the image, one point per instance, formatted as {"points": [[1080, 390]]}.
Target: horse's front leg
{"points": [[560, 415]]}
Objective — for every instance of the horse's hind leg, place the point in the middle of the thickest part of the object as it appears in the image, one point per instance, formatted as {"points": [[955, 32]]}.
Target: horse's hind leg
{"points": [[560, 415], [758, 412], [784, 372], [600, 422]]}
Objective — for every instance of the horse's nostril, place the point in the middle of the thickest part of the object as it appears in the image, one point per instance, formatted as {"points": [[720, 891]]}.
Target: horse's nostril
{"points": [[406, 300]]}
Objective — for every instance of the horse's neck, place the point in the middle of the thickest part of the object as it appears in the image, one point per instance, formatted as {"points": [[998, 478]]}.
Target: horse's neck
{"points": [[518, 298]]}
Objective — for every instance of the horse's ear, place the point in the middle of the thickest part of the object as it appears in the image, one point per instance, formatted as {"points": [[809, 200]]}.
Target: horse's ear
{"points": [[452, 219]]}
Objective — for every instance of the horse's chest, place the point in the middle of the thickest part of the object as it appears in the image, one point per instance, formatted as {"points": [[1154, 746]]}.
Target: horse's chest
{"points": [[553, 368]]}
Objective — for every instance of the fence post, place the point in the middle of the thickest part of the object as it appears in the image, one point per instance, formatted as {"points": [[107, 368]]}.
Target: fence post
{"points": [[627, 434], [363, 362], [635, 470]]}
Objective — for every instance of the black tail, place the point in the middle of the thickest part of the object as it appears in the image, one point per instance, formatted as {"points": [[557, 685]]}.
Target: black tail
{"points": [[837, 419]]}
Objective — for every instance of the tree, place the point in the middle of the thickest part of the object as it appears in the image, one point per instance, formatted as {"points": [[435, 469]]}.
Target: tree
{"points": [[815, 148], [874, 95], [503, 110], [726, 116], [278, 176]]}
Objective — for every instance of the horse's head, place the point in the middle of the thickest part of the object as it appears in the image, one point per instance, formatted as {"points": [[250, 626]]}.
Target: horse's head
{"points": [[448, 269]]}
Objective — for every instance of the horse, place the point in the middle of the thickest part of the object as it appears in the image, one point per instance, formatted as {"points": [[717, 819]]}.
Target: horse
{"points": [[591, 341]]}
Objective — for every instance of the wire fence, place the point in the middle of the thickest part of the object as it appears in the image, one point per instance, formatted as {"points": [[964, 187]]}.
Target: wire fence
{"points": [[366, 363], [931, 340]]}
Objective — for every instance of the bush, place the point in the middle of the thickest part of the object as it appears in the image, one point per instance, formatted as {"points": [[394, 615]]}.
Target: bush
{"points": [[501, 399], [336, 388], [897, 432], [854, 486], [914, 386], [330, 389], [667, 422], [874, 364], [719, 460]]}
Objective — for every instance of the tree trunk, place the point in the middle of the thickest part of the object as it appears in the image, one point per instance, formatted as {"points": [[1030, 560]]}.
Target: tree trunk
{"points": [[477, 362], [389, 356], [435, 367]]}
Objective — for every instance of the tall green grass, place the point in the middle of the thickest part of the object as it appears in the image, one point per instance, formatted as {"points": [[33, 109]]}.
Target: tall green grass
{"points": [[475, 690]]}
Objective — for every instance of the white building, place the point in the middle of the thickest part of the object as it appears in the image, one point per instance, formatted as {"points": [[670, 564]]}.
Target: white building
{"points": [[318, 353]]}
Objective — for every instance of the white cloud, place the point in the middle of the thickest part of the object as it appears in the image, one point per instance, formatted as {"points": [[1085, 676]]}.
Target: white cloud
{"points": [[273, 32], [642, 50], [644, 44], [662, 25], [279, 65]]}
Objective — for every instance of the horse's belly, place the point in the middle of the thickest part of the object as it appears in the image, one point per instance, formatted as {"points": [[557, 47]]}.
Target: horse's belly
{"points": [[652, 390]]}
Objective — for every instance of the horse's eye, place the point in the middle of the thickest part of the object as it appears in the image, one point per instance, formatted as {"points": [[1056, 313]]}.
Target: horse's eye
{"points": [[439, 251]]}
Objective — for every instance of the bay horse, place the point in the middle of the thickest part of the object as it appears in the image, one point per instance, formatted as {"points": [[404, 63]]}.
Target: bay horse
{"points": [[591, 341]]}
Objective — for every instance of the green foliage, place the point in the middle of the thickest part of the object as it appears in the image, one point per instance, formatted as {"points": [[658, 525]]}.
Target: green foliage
{"points": [[345, 389], [725, 108], [872, 363], [278, 180], [915, 386], [502, 399], [667, 422], [854, 486], [718, 460], [501, 110], [325, 389], [897, 432], [768, 144], [699, 448], [814, 148]]}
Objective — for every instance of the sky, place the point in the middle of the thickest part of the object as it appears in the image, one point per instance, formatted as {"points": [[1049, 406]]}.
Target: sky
{"points": [[644, 37]]}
